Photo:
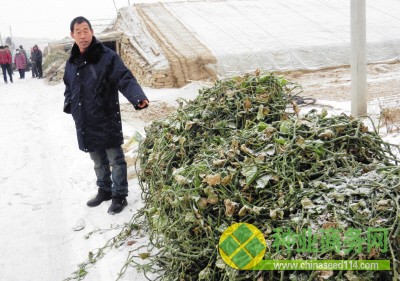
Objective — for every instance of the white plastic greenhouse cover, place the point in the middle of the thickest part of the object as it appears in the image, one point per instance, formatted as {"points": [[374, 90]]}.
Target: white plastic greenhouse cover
{"points": [[287, 34]]}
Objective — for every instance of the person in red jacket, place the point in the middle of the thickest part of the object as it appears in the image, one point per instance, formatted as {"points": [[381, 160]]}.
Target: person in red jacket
{"points": [[6, 62]]}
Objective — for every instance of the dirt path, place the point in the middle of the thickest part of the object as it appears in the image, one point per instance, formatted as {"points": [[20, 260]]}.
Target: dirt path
{"points": [[334, 84]]}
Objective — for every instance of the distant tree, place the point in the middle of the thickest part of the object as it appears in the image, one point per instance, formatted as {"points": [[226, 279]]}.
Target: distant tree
{"points": [[10, 43]]}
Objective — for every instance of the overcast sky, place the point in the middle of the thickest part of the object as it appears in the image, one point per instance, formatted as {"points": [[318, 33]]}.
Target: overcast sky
{"points": [[51, 18]]}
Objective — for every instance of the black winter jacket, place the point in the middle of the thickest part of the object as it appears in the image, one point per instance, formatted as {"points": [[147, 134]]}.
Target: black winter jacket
{"points": [[92, 82]]}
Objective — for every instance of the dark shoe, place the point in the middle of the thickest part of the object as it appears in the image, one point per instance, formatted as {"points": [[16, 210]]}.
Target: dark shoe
{"points": [[117, 205], [100, 197]]}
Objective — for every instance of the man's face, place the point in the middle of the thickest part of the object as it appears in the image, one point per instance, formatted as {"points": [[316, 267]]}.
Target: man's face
{"points": [[82, 35]]}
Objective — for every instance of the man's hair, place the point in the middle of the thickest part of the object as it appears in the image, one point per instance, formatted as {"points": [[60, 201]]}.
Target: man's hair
{"points": [[79, 20]]}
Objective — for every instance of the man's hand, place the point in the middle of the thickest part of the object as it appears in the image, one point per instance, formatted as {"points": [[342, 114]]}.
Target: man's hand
{"points": [[143, 104]]}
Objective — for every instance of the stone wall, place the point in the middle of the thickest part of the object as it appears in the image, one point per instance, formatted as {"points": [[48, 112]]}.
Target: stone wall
{"points": [[159, 50], [142, 70]]}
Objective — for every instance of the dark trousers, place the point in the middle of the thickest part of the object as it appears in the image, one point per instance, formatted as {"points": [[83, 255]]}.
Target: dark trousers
{"points": [[7, 69], [39, 69], [34, 70], [21, 73], [111, 170]]}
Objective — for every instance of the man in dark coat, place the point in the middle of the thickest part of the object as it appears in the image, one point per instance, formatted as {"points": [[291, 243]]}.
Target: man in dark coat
{"points": [[35, 72], [38, 57], [93, 76]]}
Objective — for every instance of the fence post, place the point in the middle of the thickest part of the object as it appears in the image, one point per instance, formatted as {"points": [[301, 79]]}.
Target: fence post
{"points": [[358, 58]]}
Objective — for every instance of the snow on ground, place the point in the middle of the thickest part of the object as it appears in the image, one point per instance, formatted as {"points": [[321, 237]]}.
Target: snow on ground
{"points": [[45, 181]]}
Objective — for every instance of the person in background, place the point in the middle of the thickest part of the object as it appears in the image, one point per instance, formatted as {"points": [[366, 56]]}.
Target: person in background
{"points": [[94, 75], [7, 49], [20, 63], [38, 56], [21, 49], [33, 61], [6, 63]]}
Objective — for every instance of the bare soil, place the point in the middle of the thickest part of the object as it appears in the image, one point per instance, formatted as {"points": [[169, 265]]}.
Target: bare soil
{"points": [[334, 83], [156, 111]]}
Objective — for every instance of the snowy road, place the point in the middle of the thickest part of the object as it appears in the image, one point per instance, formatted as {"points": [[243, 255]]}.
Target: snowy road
{"points": [[45, 182]]}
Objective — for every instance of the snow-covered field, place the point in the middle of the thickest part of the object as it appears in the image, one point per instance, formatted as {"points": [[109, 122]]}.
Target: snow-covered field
{"points": [[45, 182]]}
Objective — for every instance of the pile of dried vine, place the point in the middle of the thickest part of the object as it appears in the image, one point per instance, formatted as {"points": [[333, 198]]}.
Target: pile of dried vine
{"points": [[241, 152]]}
